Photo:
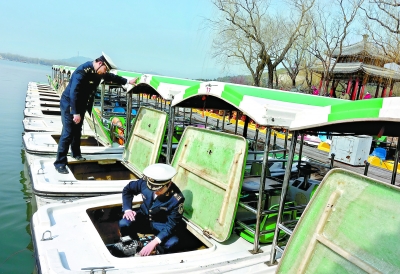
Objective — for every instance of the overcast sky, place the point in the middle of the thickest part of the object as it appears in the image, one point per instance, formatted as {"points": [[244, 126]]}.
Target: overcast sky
{"points": [[165, 37]]}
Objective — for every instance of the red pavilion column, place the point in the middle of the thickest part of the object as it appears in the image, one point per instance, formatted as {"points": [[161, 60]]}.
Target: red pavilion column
{"points": [[362, 92], [391, 90], [384, 92], [355, 90], [364, 83], [320, 82], [349, 85], [332, 88]]}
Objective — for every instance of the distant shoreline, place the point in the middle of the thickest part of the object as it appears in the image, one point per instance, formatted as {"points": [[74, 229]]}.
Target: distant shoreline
{"points": [[38, 61]]}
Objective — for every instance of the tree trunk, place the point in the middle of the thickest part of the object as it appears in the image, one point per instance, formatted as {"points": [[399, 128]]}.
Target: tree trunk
{"points": [[270, 75]]}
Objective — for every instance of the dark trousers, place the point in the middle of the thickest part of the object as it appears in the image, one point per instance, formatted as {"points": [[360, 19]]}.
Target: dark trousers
{"points": [[142, 225], [70, 136]]}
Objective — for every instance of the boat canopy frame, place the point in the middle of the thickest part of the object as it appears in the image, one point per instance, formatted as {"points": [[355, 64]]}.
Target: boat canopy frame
{"points": [[300, 114]]}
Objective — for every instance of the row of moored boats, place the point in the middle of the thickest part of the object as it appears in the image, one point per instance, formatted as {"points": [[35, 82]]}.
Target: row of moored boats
{"points": [[231, 219]]}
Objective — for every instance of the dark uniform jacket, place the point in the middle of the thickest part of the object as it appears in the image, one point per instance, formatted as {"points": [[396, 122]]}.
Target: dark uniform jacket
{"points": [[164, 213], [82, 87]]}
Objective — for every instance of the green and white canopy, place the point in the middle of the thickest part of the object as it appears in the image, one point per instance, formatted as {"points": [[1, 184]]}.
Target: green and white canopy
{"points": [[296, 111], [166, 87], [126, 74], [371, 117], [266, 107]]}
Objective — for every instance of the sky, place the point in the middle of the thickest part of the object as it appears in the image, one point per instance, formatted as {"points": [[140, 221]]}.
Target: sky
{"points": [[164, 37]]}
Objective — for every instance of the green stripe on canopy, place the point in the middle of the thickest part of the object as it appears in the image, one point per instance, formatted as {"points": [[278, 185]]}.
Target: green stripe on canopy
{"points": [[356, 110], [156, 80], [278, 95], [124, 73], [264, 106], [369, 117]]}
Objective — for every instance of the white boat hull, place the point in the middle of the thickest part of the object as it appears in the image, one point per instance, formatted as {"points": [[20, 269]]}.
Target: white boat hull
{"points": [[50, 125], [45, 143], [41, 103], [31, 97], [85, 178], [66, 241], [42, 112]]}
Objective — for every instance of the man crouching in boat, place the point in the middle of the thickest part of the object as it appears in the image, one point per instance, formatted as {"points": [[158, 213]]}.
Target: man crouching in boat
{"points": [[159, 214], [78, 98]]}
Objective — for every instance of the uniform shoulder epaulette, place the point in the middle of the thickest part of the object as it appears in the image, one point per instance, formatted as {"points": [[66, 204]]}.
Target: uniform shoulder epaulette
{"points": [[177, 196], [88, 70]]}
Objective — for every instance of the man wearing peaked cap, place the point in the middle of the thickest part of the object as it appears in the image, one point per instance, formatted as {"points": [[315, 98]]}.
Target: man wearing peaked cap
{"points": [[159, 214], [78, 98]]}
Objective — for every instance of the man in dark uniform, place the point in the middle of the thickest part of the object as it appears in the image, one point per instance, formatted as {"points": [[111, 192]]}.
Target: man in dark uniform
{"points": [[159, 214], [78, 98]]}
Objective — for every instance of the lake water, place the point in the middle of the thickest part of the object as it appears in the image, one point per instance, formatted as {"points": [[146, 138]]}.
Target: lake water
{"points": [[16, 251]]}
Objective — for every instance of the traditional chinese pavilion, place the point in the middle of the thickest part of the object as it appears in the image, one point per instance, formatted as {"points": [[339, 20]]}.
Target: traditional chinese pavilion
{"points": [[359, 65]]}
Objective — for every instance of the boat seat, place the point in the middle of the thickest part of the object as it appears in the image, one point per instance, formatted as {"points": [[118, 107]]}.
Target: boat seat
{"points": [[275, 170], [252, 184], [379, 152], [119, 110], [268, 224]]}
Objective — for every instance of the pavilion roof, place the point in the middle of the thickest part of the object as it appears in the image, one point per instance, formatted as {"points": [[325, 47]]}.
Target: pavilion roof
{"points": [[362, 48], [351, 68]]}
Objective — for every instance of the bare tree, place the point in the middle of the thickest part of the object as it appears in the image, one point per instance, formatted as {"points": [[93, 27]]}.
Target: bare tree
{"points": [[385, 13], [296, 59], [331, 24], [383, 24], [248, 33]]}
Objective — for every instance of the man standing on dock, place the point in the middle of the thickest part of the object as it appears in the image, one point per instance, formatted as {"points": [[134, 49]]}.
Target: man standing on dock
{"points": [[78, 98]]}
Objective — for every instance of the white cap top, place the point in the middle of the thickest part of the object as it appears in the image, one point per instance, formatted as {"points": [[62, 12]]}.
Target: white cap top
{"points": [[159, 172], [110, 64]]}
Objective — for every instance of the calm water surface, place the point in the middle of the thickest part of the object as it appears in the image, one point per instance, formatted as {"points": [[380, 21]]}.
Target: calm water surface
{"points": [[16, 251]]}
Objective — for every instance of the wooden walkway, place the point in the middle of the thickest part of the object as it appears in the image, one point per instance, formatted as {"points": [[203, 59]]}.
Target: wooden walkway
{"points": [[313, 153]]}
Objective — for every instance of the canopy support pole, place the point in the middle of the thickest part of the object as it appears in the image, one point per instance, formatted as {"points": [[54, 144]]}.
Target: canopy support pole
{"points": [[246, 125], [285, 186], [129, 103], [285, 146], [300, 151], [260, 204], [103, 90], [396, 161], [223, 121], [236, 123], [256, 143], [170, 134]]}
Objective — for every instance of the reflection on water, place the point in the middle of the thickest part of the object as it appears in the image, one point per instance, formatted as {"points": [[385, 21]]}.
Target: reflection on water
{"points": [[16, 253], [28, 197]]}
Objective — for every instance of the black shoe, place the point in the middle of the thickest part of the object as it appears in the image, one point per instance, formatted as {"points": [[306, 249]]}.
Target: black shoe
{"points": [[80, 158], [62, 170], [126, 249]]}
